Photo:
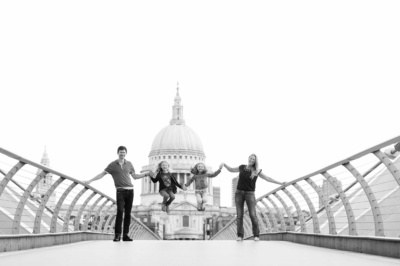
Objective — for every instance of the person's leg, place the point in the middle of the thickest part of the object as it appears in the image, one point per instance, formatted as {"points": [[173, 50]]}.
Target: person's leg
{"points": [[171, 197], [239, 201], [129, 194], [165, 196], [204, 200], [199, 200], [120, 212], [251, 205]]}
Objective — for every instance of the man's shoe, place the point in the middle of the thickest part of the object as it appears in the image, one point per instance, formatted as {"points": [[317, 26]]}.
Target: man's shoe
{"points": [[126, 238], [239, 239], [163, 208], [256, 238], [117, 238]]}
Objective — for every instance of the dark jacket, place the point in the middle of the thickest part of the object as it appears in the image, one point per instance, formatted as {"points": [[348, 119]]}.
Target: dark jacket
{"points": [[174, 183]]}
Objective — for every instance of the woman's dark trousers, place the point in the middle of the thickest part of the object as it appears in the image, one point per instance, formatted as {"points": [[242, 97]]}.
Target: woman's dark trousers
{"points": [[250, 199]]}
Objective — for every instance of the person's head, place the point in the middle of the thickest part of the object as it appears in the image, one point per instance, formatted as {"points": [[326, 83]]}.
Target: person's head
{"points": [[253, 162], [122, 151], [199, 168], [163, 166]]}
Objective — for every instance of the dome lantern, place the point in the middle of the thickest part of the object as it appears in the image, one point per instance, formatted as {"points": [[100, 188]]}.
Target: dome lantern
{"points": [[177, 110]]}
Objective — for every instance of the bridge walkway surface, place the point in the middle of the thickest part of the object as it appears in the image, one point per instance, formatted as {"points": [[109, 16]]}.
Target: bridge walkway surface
{"points": [[189, 253]]}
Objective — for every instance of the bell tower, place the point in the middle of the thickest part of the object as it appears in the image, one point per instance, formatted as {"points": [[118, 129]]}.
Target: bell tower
{"points": [[46, 182]]}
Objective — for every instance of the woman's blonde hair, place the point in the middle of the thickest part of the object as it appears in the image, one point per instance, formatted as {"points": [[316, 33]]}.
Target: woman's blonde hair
{"points": [[195, 170], [254, 166], [159, 169]]}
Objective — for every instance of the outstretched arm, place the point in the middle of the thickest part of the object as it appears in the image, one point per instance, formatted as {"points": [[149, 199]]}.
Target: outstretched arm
{"points": [[269, 179], [190, 181], [138, 176], [153, 179], [173, 179], [97, 177], [231, 169]]}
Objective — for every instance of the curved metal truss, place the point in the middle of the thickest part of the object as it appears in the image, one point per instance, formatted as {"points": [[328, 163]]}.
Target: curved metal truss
{"points": [[356, 196], [36, 199]]}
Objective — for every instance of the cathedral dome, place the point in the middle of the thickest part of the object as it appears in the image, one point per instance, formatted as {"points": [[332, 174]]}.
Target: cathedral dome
{"points": [[177, 138]]}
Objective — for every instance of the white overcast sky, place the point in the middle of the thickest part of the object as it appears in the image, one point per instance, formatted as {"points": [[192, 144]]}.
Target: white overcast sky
{"points": [[302, 84]]}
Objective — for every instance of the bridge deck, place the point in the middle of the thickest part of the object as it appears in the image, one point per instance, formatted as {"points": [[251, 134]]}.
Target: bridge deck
{"points": [[189, 253]]}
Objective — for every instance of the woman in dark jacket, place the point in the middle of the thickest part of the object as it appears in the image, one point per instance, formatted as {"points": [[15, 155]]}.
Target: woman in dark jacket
{"points": [[167, 182], [246, 187]]}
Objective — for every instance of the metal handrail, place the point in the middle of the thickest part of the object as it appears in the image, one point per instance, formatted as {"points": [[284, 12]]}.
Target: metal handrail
{"points": [[360, 179], [8, 177]]}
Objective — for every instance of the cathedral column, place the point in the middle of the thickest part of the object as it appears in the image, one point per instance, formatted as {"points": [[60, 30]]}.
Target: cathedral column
{"points": [[188, 177]]}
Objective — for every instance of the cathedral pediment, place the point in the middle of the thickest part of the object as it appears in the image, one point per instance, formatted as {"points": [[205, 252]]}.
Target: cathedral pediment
{"points": [[184, 206]]}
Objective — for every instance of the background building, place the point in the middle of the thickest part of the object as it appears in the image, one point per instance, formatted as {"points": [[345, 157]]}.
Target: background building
{"points": [[45, 183], [217, 196], [234, 186], [327, 190]]}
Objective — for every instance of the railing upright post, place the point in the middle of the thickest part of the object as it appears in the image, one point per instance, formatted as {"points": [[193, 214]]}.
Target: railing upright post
{"points": [[45, 199], [78, 216], [281, 218], [24, 199], [10, 175], [346, 204], [329, 214], [291, 221], [298, 209], [71, 207], [53, 224], [379, 231], [311, 207]]}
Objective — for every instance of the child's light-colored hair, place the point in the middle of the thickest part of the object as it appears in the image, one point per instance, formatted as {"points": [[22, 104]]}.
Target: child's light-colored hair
{"points": [[255, 165], [194, 170], [159, 169]]}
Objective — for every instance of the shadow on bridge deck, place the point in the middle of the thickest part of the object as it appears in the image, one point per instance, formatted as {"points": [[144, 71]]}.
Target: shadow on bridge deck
{"points": [[189, 253]]}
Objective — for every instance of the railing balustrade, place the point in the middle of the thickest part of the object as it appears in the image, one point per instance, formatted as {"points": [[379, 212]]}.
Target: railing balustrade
{"points": [[35, 199], [358, 196]]}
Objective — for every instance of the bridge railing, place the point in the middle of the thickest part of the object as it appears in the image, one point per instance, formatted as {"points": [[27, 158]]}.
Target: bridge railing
{"points": [[35, 199], [357, 196]]}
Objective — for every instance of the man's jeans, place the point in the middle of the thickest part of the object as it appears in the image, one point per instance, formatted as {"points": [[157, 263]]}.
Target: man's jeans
{"points": [[124, 203], [250, 199], [168, 196]]}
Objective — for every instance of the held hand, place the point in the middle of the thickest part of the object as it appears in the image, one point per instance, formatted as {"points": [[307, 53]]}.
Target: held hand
{"points": [[283, 183], [221, 165], [150, 174], [184, 188], [86, 182]]}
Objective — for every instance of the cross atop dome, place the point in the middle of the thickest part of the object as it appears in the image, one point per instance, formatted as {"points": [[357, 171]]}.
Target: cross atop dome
{"points": [[177, 110]]}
